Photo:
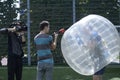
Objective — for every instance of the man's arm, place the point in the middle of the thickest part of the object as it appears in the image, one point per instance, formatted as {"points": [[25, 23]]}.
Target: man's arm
{"points": [[54, 44], [6, 30], [12, 29], [23, 38]]}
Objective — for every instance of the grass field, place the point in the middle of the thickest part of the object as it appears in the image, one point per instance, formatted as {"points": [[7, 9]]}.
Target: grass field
{"points": [[63, 73]]}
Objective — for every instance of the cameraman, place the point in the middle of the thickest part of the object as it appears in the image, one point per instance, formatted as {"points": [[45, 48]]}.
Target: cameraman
{"points": [[15, 52]]}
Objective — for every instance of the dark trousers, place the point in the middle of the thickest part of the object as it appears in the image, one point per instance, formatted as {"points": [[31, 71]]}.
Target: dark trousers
{"points": [[14, 67]]}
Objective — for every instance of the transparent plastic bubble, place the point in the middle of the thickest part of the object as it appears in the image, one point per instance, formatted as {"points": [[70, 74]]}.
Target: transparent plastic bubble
{"points": [[90, 44]]}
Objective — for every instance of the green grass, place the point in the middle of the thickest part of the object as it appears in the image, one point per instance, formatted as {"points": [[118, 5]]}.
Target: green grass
{"points": [[63, 73]]}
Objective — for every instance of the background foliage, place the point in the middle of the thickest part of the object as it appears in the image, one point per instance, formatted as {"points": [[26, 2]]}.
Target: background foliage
{"points": [[59, 14]]}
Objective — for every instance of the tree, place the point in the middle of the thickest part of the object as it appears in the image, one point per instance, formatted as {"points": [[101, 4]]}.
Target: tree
{"points": [[7, 13], [106, 8]]}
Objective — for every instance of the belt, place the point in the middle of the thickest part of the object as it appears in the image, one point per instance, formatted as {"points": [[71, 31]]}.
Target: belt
{"points": [[44, 57]]}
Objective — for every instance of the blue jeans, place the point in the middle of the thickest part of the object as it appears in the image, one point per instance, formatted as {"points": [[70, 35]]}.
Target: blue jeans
{"points": [[44, 70]]}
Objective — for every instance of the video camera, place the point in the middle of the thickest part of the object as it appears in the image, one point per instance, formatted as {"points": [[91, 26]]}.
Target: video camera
{"points": [[19, 26]]}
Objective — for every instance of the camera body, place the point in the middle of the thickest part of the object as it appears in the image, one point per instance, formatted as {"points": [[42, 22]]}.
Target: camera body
{"points": [[19, 26]]}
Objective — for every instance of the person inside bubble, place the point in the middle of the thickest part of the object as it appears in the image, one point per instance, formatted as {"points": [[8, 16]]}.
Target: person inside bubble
{"points": [[96, 43]]}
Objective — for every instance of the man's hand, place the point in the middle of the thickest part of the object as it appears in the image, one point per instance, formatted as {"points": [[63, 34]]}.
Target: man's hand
{"points": [[6, 30], [55, 35], [12, 29], [54, 44], [22, 34]]}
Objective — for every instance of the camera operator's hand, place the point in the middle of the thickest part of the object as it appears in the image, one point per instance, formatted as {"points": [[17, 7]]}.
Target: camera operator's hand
{"points": [[23, 37], [22, 34], [12, 29]]}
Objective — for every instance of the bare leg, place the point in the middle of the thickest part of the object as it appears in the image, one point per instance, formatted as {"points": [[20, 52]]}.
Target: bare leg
{"points": [[97, 77]]}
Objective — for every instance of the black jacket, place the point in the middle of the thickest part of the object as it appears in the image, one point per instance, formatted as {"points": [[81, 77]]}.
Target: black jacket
{"points": [[14, 43]]}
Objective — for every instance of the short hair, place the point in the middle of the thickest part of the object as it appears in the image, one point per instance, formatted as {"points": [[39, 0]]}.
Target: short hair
{"points": [[43, 24]]}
